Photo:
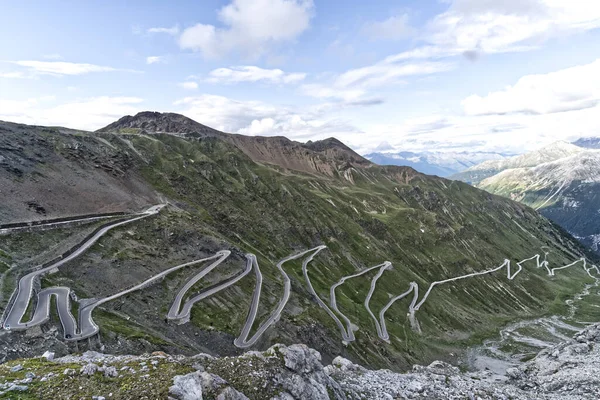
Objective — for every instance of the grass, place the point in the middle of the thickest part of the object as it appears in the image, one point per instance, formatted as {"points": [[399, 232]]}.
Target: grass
{"points": [[113, 323], [432, 229], [61, 386]]}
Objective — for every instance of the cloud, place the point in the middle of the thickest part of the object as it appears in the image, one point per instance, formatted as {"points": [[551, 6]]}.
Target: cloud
{"points": [[259, 118], [354, 84], [156, 60], [250, 27], [188, 85], [253, 74], [89, 113], [393, 28], [474, 27], [64, 68], [168, 31], [569, 89]]}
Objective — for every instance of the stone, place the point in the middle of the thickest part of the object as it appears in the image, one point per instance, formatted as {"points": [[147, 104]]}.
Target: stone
{"points": [[211, 382], [16, 368], [89, 369], [48, 355], [110, 372], [230, 393], [17, 388], [186, 387]]}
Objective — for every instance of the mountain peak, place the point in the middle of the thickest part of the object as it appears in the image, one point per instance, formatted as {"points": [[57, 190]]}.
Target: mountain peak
{"points": [[156, 122], [334, 147]]}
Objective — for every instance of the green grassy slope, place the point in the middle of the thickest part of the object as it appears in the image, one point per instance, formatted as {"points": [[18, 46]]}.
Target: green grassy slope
{"points": [[429, 228]]}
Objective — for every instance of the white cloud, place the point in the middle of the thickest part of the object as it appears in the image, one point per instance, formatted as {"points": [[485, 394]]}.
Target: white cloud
{"points": [[156, 60], [386, 73], [393, 28], [188, 85], [250, 27], [471, 27], [64, 68], [565, 90], [258, 118], [174, 30], [253, 74], [356, 83], [89, 114], [514, 133]]}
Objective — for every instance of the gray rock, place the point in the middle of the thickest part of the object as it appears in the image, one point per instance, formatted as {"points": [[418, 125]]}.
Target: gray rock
{"points": [[230, 393], [17, 388], [110, 372], [30, 375], [89, 369], [211, 382], [186, 387], [48, 355], [16, 368]]}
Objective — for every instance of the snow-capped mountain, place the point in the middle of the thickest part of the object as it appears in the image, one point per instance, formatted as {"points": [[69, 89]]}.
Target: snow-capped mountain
{"points": [[486, 169], [562, 181], [433, 163], [589, 143]]}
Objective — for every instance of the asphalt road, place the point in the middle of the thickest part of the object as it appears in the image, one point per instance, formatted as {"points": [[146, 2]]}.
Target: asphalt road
{"points": [[24, 291], [181, 312]]}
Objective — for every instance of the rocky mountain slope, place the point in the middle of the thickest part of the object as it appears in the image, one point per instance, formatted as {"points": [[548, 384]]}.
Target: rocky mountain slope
{"points": [[567, 371], [561, 181], [271, 197], [588, 143], [486, 169]]}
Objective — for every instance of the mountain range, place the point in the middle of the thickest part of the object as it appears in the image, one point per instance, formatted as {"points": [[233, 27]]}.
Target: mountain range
{"points": [[561, 180], [442, 164], [268, 198]]}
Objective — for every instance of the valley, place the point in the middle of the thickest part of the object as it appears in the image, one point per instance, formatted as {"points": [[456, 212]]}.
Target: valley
{"points": [[320, 225]]}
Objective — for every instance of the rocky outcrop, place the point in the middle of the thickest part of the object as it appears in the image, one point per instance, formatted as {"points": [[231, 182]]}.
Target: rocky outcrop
{"points": [[568, 371]]}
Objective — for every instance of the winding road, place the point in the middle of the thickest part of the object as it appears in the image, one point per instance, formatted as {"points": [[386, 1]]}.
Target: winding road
{"points": [[24, 291], [180, 310], [347, 331]]}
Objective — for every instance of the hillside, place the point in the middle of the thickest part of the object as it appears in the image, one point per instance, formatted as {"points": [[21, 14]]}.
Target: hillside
{"points": [[274, 198]]}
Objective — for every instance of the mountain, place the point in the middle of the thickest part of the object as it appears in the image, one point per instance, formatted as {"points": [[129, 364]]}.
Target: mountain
{"points": [[273, 198], [442, 164], [588, 143], [562, 181], [479, 172]]}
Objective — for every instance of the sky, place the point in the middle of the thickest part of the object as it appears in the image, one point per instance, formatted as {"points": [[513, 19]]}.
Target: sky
{"points": [[504, 76]]}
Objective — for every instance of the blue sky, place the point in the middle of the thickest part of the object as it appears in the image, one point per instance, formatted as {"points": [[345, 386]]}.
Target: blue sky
{"points": [[447, 75]]}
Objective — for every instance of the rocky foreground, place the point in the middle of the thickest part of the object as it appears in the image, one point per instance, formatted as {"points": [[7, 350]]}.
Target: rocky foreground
{"points": [[570, 370]]}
